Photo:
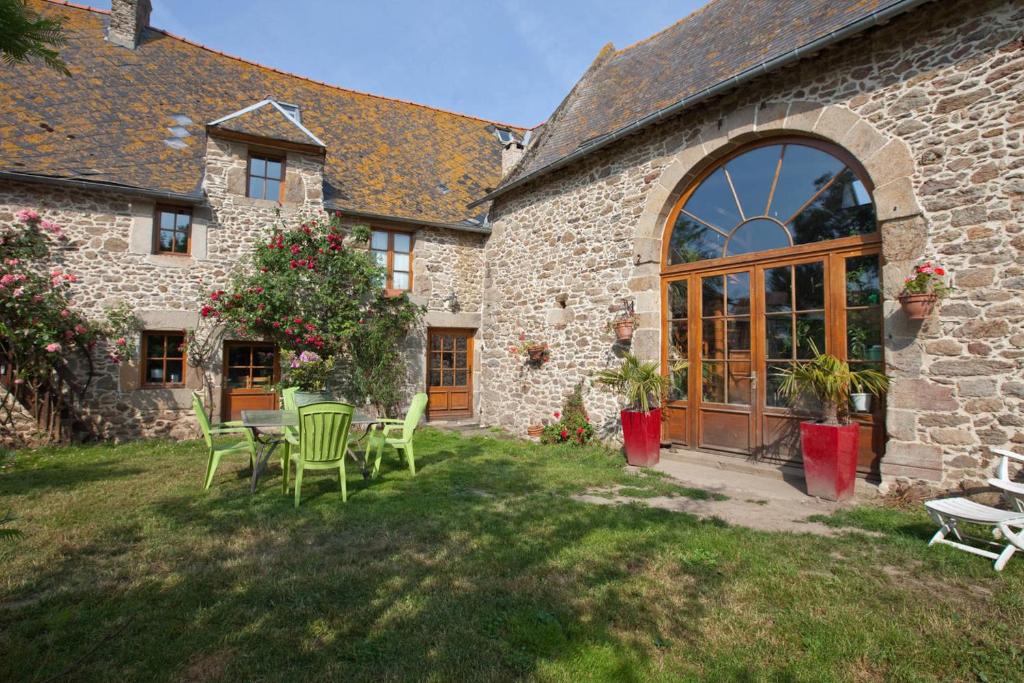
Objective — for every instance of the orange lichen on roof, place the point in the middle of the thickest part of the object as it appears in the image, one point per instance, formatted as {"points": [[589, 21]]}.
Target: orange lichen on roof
{"points": [[111, 119]]}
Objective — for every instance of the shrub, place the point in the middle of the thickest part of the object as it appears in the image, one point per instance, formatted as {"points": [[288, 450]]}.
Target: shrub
{"points": [[573, 424]]}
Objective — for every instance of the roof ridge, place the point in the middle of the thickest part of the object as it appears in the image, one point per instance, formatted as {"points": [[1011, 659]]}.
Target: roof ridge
{"points": [[442, 110], [688, 17]]}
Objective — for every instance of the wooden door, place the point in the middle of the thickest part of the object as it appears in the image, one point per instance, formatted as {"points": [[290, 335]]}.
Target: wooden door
{"points": [[250, 374], [449, 373], [729, 331]]}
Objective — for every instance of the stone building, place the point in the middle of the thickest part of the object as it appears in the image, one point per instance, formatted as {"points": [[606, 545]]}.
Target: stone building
{"points": [[755, 179]]}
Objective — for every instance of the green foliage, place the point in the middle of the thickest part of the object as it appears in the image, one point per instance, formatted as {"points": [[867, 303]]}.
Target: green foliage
{"points": [[6, 533], [927, 279], [39, 328], [573, 424], [315, 287], [640, 383], [306, 370], [830, 381], [25, 36]]}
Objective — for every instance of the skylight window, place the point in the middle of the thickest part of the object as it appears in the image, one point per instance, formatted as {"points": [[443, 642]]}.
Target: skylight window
{"points": [[505, 136]]}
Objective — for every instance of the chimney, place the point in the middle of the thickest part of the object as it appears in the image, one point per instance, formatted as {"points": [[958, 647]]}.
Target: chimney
{"points": [[128, 19], [510, 156]]}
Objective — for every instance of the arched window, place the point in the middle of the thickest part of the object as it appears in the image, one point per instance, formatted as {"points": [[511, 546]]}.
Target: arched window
{"points": [[773, 196]]}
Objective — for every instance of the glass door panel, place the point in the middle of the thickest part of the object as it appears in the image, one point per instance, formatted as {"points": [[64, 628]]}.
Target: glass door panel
{"points": [[725, 357]]}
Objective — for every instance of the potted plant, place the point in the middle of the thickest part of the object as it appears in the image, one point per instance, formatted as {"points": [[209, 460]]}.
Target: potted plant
{"points": [[641, 385], [830, 445], [536, 353], [534, 431], [860, 402], [624, 324], [922, 289], [310, 373]]}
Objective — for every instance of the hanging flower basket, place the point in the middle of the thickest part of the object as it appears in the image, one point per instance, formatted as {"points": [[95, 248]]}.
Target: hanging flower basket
{"points": [[624, 330], [922, 289], [918, 306], [534, 352]]}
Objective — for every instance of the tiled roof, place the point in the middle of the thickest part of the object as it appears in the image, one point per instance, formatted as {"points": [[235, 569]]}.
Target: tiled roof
{"points": [[713, 44], [138, 117]]}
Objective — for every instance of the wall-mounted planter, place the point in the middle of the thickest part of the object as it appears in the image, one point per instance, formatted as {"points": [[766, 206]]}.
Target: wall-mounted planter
{"points": [[624, 331], [918, 306], [536, 353]]}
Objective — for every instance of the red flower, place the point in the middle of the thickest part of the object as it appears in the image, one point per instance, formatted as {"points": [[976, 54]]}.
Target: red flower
{"points": [[275, 324], [580, 430], [293, 263], [557, 414], [564, 434], [296, 249], [206, 311], [297, 320], [940, 271]]}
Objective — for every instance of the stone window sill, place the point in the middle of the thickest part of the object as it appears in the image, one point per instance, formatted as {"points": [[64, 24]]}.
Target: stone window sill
{"points": [[168, 261]]}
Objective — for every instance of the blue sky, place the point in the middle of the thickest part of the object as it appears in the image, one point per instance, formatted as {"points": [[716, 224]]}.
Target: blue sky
{"points": [[505, 60]]}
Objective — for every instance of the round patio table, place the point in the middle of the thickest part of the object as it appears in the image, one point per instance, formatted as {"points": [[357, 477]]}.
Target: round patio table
{"points": [[268, 429]]}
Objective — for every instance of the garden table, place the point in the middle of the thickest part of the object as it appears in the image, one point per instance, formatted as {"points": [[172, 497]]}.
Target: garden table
{"points": [[268, 430]]}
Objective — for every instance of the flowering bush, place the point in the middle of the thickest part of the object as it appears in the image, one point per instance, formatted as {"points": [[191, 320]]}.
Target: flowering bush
{"points": [[572, 422], [41, 333], [307, 370], [541, 353], [315, 287], [38, 326], [927, 279]]}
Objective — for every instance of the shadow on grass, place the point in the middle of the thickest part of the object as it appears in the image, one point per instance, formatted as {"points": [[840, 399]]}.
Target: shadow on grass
{"points": [[475, 569], [64, 476], [886, 521]]}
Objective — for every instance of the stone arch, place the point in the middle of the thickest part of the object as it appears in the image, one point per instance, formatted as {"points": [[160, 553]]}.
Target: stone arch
{"points": [[887, 161]]}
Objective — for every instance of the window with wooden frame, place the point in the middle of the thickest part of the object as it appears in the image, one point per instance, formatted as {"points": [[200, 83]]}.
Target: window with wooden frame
{"points": [[266, 176], [163, 359], [172, 230], [393, 251]]}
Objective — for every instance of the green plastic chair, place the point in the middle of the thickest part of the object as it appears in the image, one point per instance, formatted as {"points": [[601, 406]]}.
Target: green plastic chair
{"points": [[323, 443], [291, 434], [381, 434], [216, 452]]}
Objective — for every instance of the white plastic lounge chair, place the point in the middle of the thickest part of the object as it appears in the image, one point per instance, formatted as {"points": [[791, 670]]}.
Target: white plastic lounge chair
{"points": [[1013, 491], [947, 512]]}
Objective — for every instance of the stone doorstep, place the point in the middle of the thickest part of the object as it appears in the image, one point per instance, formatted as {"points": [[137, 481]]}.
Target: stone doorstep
{"points": [[771, 480]]}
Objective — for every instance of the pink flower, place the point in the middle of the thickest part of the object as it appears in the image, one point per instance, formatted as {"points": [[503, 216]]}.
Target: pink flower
{"points": [[11, 261], [69, 334], [18, 292], [50, 227], [19, 381], [27, 216], [65, 313], [53, 347], [121, 341], [80, 328]]}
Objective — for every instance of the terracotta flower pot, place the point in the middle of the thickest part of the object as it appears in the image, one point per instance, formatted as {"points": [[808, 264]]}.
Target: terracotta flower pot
{"points": [[624, 331], [830, 459], [918, 306], [535, 353], [535, 431]]}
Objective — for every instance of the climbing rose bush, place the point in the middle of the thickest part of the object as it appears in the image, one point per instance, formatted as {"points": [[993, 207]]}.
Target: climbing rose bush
{"points": [[315, 287], [39, 327]]}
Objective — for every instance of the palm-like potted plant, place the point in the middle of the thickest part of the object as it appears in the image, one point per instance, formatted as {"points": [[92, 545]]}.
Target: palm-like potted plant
{"points": [[830, 445], [641, 385]]}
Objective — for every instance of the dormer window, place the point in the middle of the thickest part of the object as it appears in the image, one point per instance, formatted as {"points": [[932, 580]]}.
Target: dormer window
{"points": [[266, 174], [292, 110]]}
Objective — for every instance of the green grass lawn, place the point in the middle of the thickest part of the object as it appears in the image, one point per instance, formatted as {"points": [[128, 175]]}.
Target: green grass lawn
{"points": [[479, 568]]}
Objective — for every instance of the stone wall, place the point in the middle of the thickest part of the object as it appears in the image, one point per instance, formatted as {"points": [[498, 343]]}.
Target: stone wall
{"points": [[931, 104], [110, 250]]}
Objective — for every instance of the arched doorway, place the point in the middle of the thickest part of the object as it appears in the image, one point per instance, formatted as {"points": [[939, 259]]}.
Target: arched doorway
{"points": [[770, 253]]}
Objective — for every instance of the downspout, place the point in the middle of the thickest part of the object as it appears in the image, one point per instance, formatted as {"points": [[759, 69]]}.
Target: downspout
{"points": [[877, 17]]}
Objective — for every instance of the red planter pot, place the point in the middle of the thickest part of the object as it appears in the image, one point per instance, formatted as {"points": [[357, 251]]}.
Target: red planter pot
{"points": [[830, 459], [641, 433]]}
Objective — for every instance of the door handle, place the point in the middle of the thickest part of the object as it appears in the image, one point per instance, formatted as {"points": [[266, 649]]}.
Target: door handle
{"points": [[753, 380]]}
